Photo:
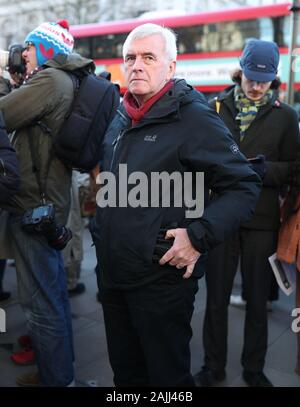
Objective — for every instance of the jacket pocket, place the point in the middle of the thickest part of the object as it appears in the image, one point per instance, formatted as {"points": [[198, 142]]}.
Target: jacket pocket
{"points": [[162, 244]]}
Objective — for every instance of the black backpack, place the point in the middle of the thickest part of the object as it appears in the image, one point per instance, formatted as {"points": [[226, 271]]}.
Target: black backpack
{"points": [[78, 142]]}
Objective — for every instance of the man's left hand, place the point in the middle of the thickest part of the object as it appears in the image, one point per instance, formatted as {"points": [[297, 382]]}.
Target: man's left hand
{"points": [[182, 253]]}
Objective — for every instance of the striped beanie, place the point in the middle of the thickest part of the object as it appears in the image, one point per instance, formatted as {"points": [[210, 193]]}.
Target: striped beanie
{"points": [[51, 39]]}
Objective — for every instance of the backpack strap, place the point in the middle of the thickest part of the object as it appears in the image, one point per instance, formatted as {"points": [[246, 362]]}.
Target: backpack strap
{"points": [[76, 80], [36, 168]]}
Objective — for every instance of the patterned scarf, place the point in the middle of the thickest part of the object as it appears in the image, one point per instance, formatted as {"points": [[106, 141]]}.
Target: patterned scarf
{"points": [[247, 108]]}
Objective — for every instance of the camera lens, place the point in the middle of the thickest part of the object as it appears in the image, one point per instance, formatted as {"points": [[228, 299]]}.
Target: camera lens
{"points": [[60, 238]]}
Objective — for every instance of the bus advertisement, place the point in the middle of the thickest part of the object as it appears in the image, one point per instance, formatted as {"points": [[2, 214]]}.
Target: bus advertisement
{"points": [[209, 43]]}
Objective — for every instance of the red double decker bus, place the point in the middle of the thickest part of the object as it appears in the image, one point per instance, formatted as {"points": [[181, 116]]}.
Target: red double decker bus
{"points": [[209, 43]]}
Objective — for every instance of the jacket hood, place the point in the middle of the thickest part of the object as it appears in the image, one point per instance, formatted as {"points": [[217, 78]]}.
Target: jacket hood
{"points": [[70, 62], [179, 95], [182, 93]]}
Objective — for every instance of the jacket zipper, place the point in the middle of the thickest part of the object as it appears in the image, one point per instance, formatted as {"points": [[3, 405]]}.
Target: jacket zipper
{"points": [[3, 167], [117, 139], [115, 144]]}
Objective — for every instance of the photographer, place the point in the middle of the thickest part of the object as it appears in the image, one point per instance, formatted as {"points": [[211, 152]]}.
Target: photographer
{"points": [[35, 111]]}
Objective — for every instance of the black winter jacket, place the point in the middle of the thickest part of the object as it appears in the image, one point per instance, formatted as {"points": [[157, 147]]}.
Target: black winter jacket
{"points": [[179, 133], [9, 166], [274, 133]]}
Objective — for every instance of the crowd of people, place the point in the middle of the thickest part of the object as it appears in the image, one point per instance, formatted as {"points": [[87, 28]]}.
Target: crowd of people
{"points": [[150, 256]]}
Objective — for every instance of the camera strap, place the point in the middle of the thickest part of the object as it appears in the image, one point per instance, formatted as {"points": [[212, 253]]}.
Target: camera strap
{"points": [[36, 168]]}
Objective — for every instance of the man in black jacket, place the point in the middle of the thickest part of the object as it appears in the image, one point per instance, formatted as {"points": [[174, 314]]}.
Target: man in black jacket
{"points": [[266, 131], [150, 249]]}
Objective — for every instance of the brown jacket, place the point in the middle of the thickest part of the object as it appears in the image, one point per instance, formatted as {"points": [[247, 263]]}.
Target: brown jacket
{"points": [[289, 239], [47, 96]]}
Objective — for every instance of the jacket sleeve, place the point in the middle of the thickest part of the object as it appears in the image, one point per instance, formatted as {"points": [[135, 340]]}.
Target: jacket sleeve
{"points": [[9, 166], [226, 172], [277, 172], [5, 86], [30, 101]]}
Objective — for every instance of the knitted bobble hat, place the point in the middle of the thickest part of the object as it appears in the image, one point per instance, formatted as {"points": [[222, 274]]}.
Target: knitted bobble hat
{"points": [[51, 39]]}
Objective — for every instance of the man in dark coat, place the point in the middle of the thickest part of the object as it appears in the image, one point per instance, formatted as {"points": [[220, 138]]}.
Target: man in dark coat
{"points": [[149, 251], [266, 131]]}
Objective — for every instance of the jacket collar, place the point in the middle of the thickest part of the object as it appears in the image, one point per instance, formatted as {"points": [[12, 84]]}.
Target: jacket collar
{"points": [[167, 108]]}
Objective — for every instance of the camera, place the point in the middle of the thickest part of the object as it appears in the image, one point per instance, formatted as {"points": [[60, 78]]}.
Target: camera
{"points": [[12, 59], [41, 220]]}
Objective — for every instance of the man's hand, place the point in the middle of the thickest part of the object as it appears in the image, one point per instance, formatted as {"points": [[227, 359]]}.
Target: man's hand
{"points": [[14, 79], [182, 253]]}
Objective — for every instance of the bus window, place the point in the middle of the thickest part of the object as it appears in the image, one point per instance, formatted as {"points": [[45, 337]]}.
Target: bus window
{"points": [[83, 46], [211, 38], [229, 35], [108, 46], [266, 28], [189, 39], [279, 30], [248, 29], [103, 47]]}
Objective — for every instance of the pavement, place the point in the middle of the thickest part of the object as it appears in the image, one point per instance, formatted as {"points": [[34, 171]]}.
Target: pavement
{"points": [[92, 366]]}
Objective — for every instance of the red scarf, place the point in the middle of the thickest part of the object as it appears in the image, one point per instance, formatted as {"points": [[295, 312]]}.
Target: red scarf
{"points": [[136, 112]]}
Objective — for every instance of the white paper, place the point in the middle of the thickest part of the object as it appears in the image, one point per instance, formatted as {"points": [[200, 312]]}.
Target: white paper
{"points": [[285, 274]]}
